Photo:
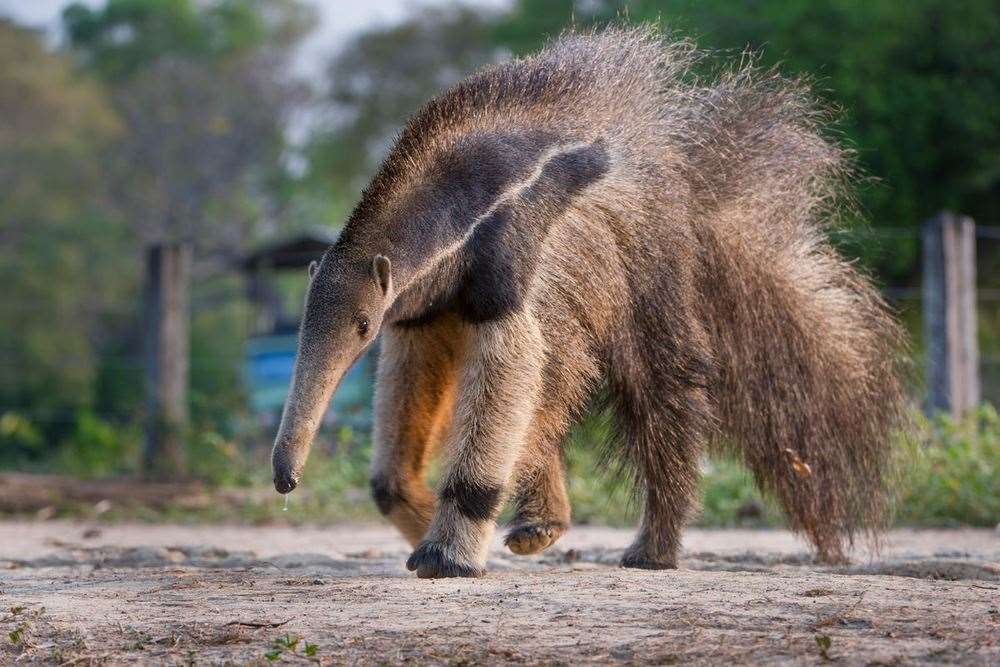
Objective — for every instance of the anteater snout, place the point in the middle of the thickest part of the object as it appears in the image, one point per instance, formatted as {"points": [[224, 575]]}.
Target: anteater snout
{"points": [[284, 482]]}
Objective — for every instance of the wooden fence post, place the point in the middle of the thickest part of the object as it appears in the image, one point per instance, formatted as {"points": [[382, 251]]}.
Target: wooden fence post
{"points": [[167, 341], [949, 294]]}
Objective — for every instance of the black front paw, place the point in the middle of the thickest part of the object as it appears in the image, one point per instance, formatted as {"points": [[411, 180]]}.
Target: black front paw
{"points": [[432, 560]]}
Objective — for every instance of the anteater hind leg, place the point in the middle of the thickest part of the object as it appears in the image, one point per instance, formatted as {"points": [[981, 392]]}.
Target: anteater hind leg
{"points": [[666, 459], [414, 399], [542, 506], [497, 396], [663, 414]]}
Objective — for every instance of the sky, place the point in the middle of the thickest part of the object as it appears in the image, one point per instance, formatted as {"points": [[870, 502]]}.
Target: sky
{"points": [[339, 20]]}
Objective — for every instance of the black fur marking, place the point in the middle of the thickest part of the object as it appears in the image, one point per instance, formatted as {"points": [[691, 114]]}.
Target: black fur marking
{"points": [[491, 287], [641, 563], [474, 501], [488, 278], [430, 561], [568, 173], [474, 175], [384, 495], [429, 316], [503, 253], [463, 183]]}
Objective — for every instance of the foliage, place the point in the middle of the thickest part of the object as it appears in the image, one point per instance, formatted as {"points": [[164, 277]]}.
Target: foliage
{"points": [[596, 493], [217, 459], [98, 448], [195, 161], [823, 643], [60, 263], [379, 80], [146, 136], [218, 332], [123, 37], [288, 644], [181, 74], [339, 477], [953, 472], [20, 440], [949, 477], [730, 498]]}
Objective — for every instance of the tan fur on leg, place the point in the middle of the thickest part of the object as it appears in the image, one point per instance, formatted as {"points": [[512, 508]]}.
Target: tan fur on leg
{"points": [[497, 397], [543, 510], [413, 404]]}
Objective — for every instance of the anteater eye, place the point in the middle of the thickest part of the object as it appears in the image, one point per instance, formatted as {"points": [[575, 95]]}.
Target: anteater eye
{"points": [[362, 325]]}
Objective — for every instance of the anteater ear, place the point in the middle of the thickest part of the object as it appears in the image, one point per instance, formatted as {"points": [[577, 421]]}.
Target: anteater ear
{"points": [[313, 265], [382, 272]]}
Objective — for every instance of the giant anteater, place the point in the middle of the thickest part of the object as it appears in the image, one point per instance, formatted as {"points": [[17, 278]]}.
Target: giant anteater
{"points": [[596, 219]]}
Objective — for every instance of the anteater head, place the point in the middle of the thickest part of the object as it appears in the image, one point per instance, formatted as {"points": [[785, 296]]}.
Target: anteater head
{"points": [[479, 173], [495, 193], [347, 298]]}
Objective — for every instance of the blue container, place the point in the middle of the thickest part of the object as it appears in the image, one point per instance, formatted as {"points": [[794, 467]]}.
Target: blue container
{"points": [[270, 361]]}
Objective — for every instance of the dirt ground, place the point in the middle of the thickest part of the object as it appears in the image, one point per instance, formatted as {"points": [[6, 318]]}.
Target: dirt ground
{"points": [[73, 593]]}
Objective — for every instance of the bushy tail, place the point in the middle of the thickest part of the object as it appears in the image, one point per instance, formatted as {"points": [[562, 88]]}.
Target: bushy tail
{"points": [[809, 391]]}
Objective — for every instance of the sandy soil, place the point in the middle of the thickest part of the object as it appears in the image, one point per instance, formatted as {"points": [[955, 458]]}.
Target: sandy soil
{"points": [[138, 594]]}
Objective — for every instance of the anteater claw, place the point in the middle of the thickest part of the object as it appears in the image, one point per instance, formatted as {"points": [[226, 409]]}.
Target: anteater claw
{"points": [[644, 562], [431, 560], [531, 538]]}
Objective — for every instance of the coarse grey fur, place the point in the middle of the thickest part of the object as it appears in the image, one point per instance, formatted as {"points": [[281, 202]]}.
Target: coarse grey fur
{"points": [[596, 216]]}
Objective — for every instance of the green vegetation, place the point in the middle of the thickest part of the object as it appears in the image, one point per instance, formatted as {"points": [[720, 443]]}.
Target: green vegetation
{"points": [[949, 475], [138, 128], [952, 476], [289, 644]]}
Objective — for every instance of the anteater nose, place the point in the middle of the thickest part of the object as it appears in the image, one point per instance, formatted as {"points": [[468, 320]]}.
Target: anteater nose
{"points": [[284, 483]]}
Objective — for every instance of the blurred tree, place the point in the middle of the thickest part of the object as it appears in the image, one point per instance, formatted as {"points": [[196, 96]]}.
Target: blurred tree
{"points": [[379, 79], [918, 82], [203, 94], [60, 269], [126, 36]]}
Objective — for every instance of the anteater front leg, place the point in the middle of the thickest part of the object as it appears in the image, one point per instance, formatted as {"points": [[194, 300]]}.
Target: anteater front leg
{"points": [[414, 399], [497, 396]]}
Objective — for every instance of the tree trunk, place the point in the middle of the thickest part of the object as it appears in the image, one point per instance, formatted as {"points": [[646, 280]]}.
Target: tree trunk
{"points": [[167, 322]]}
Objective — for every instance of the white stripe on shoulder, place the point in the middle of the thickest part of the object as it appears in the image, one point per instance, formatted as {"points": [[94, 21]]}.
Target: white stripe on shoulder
{"points": [[505, 197]]}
